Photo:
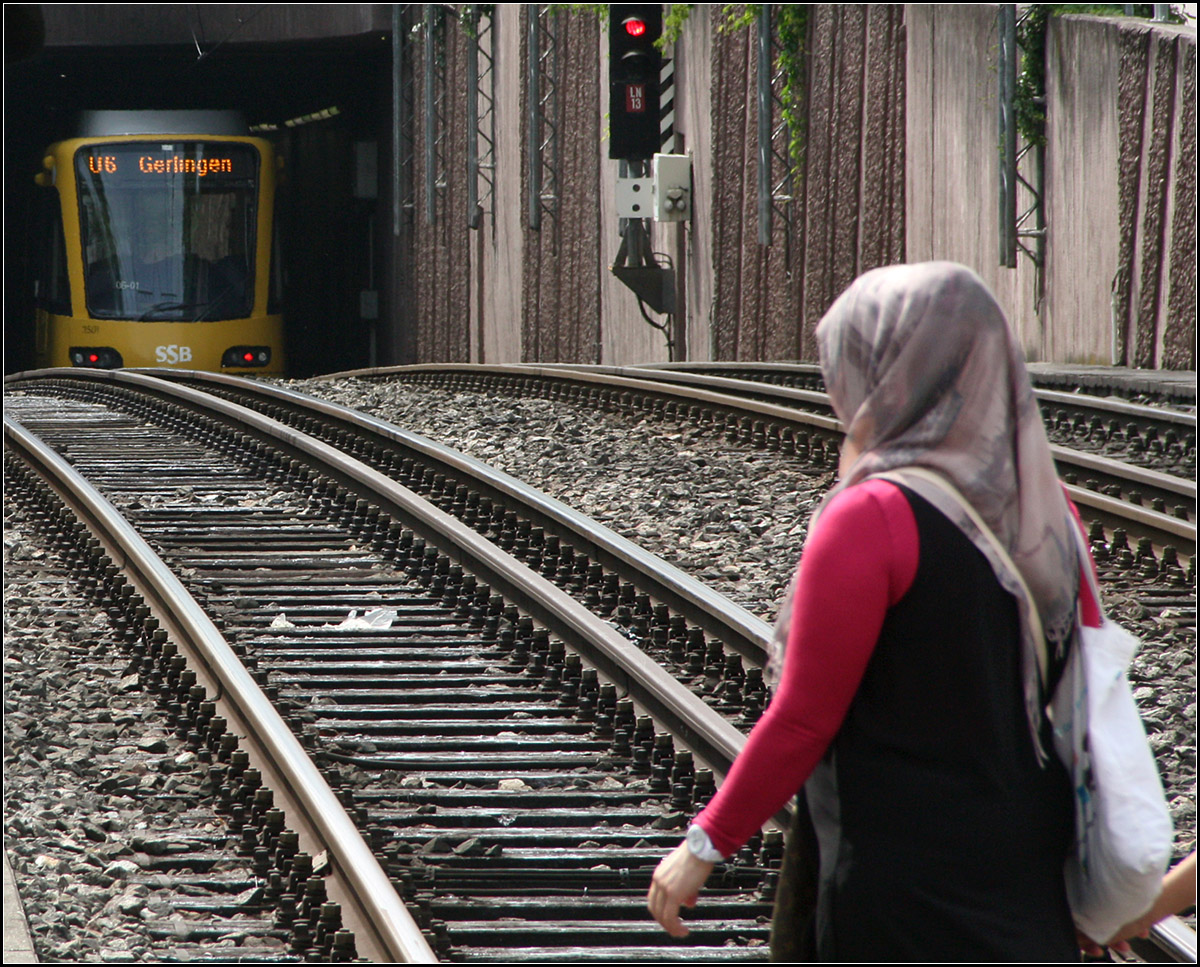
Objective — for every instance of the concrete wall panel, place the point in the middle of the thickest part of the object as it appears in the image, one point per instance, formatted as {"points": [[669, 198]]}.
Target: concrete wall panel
{"points": [[954, 163], [561, 307], [733, 135], [847, 208], [441, 285], [1178, 343], [1083, 164], [501, 277], [694, 79], [1116, 192], [1159, 121], [1121, 187]]}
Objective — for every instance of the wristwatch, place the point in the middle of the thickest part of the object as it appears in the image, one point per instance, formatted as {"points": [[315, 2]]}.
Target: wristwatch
{"points": [[701, 847]]}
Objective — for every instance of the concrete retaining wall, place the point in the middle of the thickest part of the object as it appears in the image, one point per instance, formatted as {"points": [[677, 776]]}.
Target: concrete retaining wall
{"points": [[900, 164], [1119, 183], [847, 212]]}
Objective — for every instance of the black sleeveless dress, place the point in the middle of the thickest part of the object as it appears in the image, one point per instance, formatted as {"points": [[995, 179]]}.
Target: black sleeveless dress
{"points": [[941, 837]]}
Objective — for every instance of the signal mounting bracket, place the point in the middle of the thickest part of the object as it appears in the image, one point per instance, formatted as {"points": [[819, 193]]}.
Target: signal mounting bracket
{"points": [[638, 270]]}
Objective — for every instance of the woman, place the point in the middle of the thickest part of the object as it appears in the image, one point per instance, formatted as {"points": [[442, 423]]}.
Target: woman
{"points": [[911, 695]]}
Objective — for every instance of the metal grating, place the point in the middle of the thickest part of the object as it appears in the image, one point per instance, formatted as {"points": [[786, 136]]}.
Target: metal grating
{"points": [[481, 109], [542, 97], [776, 182], [1022, 169], [434, 30]]}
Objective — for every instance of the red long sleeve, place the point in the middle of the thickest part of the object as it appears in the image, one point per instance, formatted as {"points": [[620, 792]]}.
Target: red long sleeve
{"points": [[860, 559]]}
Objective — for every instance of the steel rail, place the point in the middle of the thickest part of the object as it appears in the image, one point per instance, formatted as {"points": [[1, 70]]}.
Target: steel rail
{"points": [[1117, 407], [1176, 938], [597, 377], [740, 388], [1154, 480], [1045, 397], [1162, 528], [713, 612], [1040, 380], [383, 928]]}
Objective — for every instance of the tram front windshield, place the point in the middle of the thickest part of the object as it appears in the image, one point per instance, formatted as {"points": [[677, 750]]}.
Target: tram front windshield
{"points": [[168, 229]]}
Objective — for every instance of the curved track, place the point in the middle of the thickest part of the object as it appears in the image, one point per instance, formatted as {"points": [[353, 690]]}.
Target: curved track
{"points": [[439, 842], [1142, 503], [159, 610], [567, 729]]}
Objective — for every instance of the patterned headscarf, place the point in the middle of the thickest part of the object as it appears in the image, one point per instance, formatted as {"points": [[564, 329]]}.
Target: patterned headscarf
{"points": [[923, 371]]}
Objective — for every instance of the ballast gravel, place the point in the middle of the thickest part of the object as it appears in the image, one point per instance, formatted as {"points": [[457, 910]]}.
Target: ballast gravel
{"points": [[733, 517], [96, 782]]}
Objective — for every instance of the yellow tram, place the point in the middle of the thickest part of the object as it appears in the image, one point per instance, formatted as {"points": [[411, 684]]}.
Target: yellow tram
{"points": [[157, 246]]}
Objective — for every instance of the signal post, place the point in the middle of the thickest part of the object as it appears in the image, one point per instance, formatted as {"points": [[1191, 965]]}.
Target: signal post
{"points": [[650, 185]]}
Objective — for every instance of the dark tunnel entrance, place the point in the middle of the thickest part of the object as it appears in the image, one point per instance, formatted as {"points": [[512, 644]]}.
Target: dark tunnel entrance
{"points": [[316, 80]]}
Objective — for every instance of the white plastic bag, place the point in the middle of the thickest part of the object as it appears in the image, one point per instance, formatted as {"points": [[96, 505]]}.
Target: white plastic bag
{"points": [[377, 619], [1123, 825]]}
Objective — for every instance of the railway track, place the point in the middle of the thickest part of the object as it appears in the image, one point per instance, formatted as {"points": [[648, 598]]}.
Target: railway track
{"points": [[125, 828], [546, 781], [1145, 504], [1143, 455], [1087, 388], [1158, 438], [177, 650], [345, 697]]}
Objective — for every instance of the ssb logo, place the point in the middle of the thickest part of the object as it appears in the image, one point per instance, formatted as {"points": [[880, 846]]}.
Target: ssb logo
{"points": [[173, 354]]}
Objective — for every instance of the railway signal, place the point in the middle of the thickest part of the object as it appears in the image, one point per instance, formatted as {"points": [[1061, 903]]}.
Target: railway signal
{"points": [[634, 65]]}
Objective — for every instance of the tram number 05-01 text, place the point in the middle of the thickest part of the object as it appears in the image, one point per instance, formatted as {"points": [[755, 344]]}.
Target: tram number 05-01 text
{"points": [[173, 354]]}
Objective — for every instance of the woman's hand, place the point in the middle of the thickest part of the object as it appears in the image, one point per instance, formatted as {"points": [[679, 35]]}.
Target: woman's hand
{"points": [[676, 883], [1090, 948], [1178, 893]]}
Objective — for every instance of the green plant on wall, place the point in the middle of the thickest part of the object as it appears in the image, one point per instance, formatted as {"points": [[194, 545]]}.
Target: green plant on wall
{"points": [[793, 19], [1029, 95], [598, 10], [470, 14], [676, 16], [791, 56]]}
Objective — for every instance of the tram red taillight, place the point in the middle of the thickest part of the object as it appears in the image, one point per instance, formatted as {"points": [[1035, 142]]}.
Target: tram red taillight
{"points": [[239, 357], [95, 357]]}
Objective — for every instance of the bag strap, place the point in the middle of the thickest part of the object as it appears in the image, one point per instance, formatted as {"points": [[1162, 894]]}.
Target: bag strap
{"points": [[937, 480], [1088, 585]]}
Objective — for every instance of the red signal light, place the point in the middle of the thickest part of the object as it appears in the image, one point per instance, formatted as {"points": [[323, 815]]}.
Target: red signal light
{"points": [[635, 27], [93, 358], [249, 357]]}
